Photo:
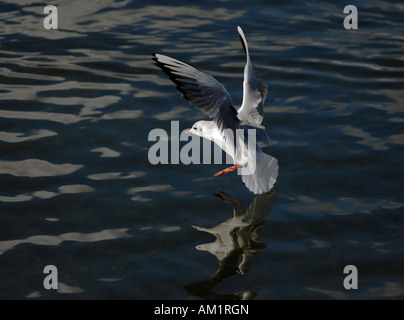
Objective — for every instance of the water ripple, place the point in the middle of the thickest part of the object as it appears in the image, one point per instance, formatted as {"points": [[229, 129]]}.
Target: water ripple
{"points": [[48, 240], [77, 104], [34, 168], [18, 137], [45, 194]]}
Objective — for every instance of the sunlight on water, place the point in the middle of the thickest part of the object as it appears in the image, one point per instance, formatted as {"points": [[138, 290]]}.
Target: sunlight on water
{"points": [[57, 240], [77, 189]]}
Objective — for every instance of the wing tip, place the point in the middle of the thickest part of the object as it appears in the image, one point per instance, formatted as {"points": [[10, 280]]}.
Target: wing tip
{"points": [[155, 59], [243, 41]]}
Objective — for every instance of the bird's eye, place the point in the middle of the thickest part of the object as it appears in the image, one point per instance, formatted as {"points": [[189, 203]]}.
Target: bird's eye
{"points": [[194, 128]]}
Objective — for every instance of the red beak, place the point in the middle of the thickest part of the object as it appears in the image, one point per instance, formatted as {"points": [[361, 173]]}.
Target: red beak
{"points": [[188, 132]]}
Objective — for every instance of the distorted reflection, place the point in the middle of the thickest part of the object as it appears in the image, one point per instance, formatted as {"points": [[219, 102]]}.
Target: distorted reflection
{"points": [[237, 238]]}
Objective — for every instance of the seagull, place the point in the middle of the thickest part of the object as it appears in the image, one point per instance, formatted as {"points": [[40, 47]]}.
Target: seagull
{"points": [[236, 131]]}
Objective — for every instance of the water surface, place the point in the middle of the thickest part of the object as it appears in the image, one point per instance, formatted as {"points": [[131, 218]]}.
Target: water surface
{"points": [[77, 190]]}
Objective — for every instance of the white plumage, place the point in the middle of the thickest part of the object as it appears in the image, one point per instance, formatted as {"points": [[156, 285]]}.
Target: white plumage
{"points": [[258, 170]]}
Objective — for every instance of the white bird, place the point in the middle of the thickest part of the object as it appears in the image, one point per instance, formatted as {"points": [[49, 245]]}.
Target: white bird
{"points": [[209, 96]]}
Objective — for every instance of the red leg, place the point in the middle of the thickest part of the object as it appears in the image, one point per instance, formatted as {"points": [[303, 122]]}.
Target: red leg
{"points": [[229, 169], [230, 197], [221, 198]]}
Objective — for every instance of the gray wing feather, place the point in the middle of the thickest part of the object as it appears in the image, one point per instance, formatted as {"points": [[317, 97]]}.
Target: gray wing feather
{"points": [[202, 90], [255, 91]]}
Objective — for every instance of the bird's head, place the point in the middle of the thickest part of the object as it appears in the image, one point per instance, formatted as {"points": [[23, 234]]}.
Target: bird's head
{"points": [[199, 128]]}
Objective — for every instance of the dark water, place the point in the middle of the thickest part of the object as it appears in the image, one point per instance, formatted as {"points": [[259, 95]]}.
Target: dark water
{"points": [[77, 190]]}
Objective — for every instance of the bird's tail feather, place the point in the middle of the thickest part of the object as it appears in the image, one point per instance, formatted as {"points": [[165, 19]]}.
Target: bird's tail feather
{"points": [[264, 177]]}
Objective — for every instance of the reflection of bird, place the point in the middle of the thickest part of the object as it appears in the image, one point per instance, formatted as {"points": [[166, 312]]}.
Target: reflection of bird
{"points": [[259, 170], [235, 237]]}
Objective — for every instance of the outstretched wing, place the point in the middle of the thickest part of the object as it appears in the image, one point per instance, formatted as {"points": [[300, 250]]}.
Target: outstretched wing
{"points": [[202, 90], [255, 91]]}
